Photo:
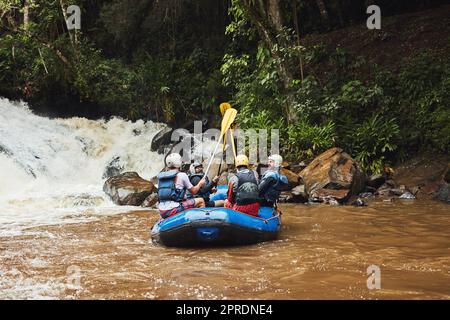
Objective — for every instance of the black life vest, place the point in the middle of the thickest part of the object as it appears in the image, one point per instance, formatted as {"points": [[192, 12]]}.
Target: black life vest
{"points": [[195, 178], [247, 191]]}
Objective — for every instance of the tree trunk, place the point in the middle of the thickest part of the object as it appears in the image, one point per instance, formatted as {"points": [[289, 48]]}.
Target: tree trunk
{"points": [[297, 31], [269, 24], [26, 14], [274, 14]]}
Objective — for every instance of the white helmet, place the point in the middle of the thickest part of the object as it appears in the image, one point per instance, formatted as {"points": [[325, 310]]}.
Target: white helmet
{"points": [[194, 166], [173, 160], [277, 160]]}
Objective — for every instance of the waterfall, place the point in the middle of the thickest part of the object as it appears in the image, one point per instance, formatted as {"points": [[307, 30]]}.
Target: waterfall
{"points": [[52, 170]]}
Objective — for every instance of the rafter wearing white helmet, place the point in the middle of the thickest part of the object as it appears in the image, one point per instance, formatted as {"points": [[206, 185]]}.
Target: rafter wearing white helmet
{"points": [[276, 159], [173, 160]]}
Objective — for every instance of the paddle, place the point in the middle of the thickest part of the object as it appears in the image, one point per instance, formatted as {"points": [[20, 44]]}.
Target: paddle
{"points": [[227, 120], [224, 107]]}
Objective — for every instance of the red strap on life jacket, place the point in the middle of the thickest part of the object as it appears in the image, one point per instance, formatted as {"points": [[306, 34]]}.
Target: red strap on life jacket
{"points": [[230, 192]]}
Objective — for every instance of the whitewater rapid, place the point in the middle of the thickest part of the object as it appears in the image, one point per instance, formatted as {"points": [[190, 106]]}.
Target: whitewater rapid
{"points": [[52, 170]]}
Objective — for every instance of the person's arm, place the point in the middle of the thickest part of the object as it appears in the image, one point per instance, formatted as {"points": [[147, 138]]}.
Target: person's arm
{"points": [[265, 184], [195, 189], [209, 186]]}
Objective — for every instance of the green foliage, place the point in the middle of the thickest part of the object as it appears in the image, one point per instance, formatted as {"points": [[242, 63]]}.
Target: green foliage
{"points": [[315, 103], [419, 76], [175, 60], [370, 141], [423, 103], [259, 119], [306, 140]]}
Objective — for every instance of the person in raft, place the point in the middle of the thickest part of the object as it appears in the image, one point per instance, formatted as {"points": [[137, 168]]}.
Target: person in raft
{"points": [[272, 182], [243, 194], [196, 174], [172, 187]]}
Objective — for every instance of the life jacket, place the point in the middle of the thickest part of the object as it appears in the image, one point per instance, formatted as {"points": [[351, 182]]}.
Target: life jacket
{"points": [[247, 191], [166, 187], [195, 178], [273, 192]]}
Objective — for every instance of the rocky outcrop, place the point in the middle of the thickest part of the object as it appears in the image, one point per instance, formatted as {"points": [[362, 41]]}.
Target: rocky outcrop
{"points": [[162, 140], [128, 189], [292, 177], [333, 174]]}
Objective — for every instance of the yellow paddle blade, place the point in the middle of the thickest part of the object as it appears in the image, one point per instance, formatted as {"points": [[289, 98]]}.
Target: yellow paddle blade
{"points": [[224, 107], [228, 119]]}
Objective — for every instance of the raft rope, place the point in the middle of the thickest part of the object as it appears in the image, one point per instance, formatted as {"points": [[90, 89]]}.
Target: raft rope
{"points": [[259, 218]]}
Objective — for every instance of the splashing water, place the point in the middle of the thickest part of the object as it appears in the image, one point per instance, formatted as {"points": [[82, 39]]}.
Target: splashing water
{"points": [[52, 170]]}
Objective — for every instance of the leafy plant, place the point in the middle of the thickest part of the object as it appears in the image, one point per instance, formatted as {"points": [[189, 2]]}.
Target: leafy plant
{"points": [[371, 141], [305, 139]]}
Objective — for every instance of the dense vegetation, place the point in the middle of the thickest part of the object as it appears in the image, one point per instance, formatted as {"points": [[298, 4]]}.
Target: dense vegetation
{"points": [[172, 60]]}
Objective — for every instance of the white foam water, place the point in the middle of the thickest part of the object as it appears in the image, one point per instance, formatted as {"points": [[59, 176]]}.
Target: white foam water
{"points": [[51, 170]]}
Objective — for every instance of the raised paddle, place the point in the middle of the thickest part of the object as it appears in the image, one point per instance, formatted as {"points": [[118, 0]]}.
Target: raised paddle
{"points": [[228, 119], [224, 107]]}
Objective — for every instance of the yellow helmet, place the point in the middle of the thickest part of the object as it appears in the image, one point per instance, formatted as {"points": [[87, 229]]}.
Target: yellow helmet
{"points": [[241, 160]]}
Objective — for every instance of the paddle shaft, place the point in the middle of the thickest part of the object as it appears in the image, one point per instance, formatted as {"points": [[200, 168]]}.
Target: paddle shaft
{"points": [[213, 155]]}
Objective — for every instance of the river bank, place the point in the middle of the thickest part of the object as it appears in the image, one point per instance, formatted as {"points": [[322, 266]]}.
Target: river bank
{"points": [[323, 253]]}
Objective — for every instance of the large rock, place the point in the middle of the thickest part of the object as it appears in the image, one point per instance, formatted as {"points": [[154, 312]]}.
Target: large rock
{"points": [[162, 140], [333, 173], [128, 189], [297, 167], [292, 177], [340, 195]]}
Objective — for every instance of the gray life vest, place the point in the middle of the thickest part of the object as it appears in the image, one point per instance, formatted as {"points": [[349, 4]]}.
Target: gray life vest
{"points": [[247, 191]]}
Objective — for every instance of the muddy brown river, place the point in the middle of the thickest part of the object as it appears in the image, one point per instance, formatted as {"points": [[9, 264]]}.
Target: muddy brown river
{"points": [[323, 253]]}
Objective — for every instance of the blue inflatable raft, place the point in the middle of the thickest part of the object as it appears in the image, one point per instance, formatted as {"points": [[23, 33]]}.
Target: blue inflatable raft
{"points": [[216, 226]]}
